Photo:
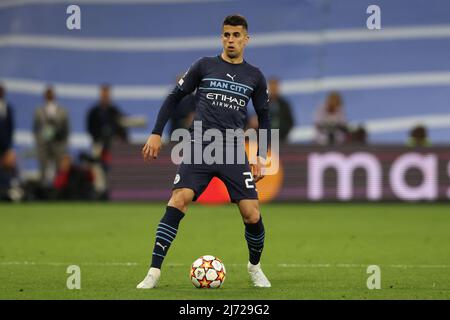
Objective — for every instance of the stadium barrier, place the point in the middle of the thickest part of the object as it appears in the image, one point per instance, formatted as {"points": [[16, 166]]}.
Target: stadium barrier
{"points": [[307, 173]]}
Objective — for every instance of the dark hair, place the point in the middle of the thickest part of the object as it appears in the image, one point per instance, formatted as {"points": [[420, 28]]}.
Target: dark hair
{"points": [[419, 132], [235, 20], [49, 92], [105, 86], [273, 78]]}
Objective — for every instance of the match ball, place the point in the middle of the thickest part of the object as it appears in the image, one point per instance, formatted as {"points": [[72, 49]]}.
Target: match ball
{"points": [[207, 272]]}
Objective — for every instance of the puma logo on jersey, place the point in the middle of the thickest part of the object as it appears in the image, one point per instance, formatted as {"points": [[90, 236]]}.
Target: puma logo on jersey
{"points": [[163, 247], [231, 77]]}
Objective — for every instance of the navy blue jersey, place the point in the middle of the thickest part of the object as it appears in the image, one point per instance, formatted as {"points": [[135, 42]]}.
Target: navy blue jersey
{"points": [[223, 92]]}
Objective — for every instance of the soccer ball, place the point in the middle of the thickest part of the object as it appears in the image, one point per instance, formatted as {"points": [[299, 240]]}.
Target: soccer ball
{"points": [[207, 272]]}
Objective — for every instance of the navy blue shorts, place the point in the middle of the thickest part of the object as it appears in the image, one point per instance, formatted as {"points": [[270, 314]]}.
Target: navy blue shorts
{"points": [[237, 178]]}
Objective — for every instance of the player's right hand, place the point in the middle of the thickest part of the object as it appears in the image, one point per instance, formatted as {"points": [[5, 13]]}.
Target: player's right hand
{"points": [[152, 147], [257, 170]]}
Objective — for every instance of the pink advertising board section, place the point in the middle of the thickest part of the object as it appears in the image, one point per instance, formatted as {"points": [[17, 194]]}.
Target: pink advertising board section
{"points": [[351, 173]]}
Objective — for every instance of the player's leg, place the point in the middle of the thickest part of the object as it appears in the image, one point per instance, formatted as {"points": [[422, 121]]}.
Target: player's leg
{"points": [[166, 232], [254, 235], [242, 190], [190, 181], [254, 228], [168, 226]]}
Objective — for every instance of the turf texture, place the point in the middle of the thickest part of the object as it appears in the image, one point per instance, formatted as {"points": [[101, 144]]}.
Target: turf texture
{"points": [[312, 251]]}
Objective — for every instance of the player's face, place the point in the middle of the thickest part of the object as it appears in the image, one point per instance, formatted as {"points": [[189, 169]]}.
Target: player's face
{"points": [[234, 40]]}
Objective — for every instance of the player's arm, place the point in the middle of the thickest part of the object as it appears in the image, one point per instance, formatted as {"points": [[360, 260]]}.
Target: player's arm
{"points": [[260, 100], [153, 145], [186, 85]]}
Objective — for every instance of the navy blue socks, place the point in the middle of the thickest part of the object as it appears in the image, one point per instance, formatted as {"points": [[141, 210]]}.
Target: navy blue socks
{"points": [[165, 234], [254, 234]]}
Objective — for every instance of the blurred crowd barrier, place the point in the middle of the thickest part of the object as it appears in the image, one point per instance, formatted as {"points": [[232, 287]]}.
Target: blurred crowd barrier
{"points": [[306, 173]]}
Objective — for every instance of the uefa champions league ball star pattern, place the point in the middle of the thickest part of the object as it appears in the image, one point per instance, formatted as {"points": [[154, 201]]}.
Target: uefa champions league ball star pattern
{"points": [[207, 272]]}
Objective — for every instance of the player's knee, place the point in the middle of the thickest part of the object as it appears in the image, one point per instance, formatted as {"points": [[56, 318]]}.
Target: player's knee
{"points": [[180, 199], [249, 211], [179, 203], [252, 219], [251, 215]]}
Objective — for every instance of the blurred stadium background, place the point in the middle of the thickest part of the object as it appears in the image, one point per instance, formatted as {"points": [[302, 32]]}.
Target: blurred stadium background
{"points": [[390, 80]]}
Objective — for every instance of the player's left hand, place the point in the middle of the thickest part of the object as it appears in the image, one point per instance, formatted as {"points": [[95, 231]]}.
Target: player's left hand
{"points": [[257, 170]]}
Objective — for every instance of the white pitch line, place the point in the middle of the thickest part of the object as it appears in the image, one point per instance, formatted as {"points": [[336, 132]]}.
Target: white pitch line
{"points": [[281, 265], [58, 264], [350, 265]]}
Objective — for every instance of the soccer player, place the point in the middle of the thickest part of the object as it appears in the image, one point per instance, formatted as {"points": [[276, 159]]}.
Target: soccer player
{"points": [[225, 84]]}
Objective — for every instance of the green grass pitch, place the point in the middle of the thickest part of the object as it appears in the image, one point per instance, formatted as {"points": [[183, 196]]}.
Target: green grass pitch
{"points": [[312, 251]]}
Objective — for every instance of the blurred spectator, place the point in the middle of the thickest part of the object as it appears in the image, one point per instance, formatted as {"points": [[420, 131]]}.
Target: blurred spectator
{"points": [[9, 182], [104, 126], [104, 120], [51, 132], [358, 136], [279, 110], [184, 113], [74, 182], [418, 137], [6, 123], [330, 123]]}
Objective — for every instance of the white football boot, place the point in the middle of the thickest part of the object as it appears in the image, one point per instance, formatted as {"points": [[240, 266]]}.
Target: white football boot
{"points": [[257, 276], [151, 279]]}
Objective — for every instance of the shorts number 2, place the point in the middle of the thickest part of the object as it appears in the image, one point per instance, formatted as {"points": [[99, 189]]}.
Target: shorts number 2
{"points": [[249, 180]]}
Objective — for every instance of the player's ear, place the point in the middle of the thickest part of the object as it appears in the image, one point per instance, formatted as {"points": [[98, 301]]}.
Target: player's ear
{"points": [[246, 38]]}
